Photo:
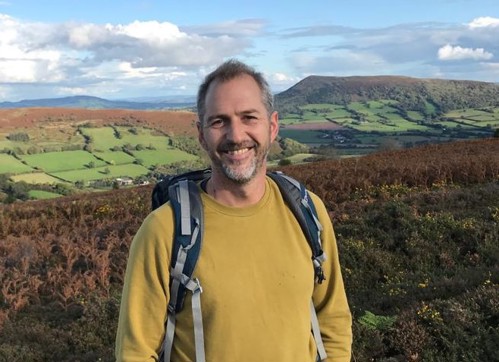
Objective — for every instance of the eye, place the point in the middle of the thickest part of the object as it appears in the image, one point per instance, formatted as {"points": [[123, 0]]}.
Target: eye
{"points": [[250, 117], [216, 123]]}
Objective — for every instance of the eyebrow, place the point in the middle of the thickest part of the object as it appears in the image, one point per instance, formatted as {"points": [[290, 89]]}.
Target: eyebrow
{"points": [[224, 116], [248, 111]]}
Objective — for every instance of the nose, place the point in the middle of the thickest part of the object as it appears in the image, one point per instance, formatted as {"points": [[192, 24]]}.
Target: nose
{"points": [[236, 131]]}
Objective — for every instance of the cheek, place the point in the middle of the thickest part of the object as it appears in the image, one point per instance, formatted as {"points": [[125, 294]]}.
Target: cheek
{"points": [[207, 140]]}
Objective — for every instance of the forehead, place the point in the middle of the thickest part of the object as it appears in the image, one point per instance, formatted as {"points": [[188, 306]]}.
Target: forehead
{"points": [[241, 91]]}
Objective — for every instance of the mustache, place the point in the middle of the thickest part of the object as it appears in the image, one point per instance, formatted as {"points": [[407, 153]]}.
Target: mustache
{"points": [[233, 146]]}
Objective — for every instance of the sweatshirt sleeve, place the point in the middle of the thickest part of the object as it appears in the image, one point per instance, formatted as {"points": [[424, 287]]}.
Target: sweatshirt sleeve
{"points": [[145, 292], [333, 313]]}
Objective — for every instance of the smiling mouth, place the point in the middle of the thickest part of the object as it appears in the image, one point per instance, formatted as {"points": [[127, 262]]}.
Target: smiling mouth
{"points": [[238, 151]]}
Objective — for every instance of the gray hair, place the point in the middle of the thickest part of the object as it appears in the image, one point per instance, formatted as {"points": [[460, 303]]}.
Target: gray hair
{"points": [[229, 70]]}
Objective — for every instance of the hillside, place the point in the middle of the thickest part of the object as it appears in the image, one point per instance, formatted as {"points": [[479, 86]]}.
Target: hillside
{"points": [[411, 93], [168, 121], [417, 235], [90, 102]]}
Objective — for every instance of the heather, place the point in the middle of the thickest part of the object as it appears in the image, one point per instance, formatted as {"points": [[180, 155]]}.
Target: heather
{"points": [[417, 231]]}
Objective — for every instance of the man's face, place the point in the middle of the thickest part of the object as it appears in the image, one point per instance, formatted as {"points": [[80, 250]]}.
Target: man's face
{"points": [[236, 130]]}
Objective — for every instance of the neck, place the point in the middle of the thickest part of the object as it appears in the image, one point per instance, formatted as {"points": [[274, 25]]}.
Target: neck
{"points": [[230, 193]]}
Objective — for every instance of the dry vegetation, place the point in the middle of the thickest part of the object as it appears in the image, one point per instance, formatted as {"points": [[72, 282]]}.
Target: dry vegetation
{"points": [[171, 122], [417, 232]]}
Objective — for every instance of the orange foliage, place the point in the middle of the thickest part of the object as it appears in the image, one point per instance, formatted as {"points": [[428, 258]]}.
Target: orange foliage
{"points": [[61, 251]]}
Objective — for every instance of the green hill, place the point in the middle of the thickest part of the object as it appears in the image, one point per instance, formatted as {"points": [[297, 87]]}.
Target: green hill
{"points": [[410, 93]]}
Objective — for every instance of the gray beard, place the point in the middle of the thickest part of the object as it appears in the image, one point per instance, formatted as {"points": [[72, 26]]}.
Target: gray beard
{"points": [[246, 175], [241, 177]]}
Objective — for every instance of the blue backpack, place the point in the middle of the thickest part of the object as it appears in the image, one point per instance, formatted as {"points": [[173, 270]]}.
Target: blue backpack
{"points": [[183, 193]]}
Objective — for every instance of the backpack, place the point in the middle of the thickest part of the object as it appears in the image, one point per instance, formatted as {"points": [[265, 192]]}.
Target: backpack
{"points": [[183, 193]]}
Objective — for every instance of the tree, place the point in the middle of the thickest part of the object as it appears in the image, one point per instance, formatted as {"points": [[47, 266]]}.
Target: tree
{"points": [[17, 191], [285, 162], [19, 136]]}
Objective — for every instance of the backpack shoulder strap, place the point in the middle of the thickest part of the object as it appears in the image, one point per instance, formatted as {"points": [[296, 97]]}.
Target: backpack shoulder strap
{"points": [[300, 203], [187, 207], [160, 192], [188, 218]]}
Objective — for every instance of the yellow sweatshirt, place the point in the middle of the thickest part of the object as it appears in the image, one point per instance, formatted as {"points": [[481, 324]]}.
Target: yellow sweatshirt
{"points": [[257, 277]]}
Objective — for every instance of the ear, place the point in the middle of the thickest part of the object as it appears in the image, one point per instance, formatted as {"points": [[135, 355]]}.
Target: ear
{"points": [[274, 126]]}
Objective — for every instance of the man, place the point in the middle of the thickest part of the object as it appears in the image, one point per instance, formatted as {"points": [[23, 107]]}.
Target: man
{"points": [[254, 266]]}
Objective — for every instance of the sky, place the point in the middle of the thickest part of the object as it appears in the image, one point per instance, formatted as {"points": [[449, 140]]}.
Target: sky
{"points": [[131, 49]]}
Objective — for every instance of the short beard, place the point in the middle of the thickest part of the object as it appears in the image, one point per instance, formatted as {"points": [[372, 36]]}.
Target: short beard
{"points": [[243, 177], [246, 175]]}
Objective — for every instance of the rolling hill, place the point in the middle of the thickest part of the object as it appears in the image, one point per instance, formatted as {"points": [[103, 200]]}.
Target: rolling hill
{"points": [[410, 93], [96, 103]]}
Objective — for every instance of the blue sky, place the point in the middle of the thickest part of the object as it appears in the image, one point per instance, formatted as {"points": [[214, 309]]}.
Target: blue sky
{"points": [[163, 48]]}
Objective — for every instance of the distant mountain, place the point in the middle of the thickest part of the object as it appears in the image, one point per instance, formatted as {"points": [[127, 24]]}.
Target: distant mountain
{"points": [[166, 99], [97, 103], [411, 93]]}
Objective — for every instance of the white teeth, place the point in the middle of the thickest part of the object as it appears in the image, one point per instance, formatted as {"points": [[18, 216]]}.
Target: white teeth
{"points": [[238, 152]]}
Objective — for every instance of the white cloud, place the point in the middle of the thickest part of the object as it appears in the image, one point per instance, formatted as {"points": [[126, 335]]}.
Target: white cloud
{"points": [[484, 22], [449, 52], [155, 58], [83, 55], [280, 77], [280, 81]]}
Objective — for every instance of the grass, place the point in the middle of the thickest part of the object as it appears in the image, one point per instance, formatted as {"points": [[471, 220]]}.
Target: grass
{"points": [[144, 136], [61, 161], [295, 159], [13, 145], [415, 115], [10, 164], [105, 138], [161, 157], [115, 157], [338, 113], [36, 178], [99, 173], [43, 195], [301, 136]]}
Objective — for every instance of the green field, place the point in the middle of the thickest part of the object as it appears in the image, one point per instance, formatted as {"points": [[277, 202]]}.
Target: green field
{"points": [[36, 178], [10, 164], [43, 195], [300, 157], [338, 113], [6, 144], [415, 115], [385, 121], [115, 157], [367, 126], [102, 138], [105, 138], [61, 161], [100, 173], [307, 137], [146, 148], [162, 157]]}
